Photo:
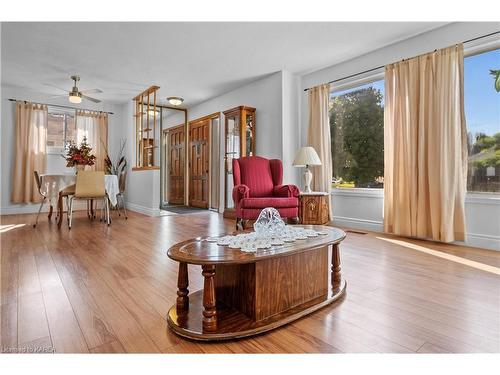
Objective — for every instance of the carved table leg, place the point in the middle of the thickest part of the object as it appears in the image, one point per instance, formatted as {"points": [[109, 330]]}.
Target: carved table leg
{"points": [[336, 276], [209, 309], [182, 285]]}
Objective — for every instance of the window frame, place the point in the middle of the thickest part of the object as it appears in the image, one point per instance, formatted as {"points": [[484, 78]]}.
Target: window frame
{"points": [[481, 197], [346, 84], [60, 150], [471, 49]]}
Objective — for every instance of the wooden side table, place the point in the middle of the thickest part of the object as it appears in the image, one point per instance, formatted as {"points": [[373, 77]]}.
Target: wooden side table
{"points": [[313, 208]]}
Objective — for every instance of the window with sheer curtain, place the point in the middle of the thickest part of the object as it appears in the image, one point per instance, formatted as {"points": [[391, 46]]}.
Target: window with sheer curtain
{"points": [[94, 127]]}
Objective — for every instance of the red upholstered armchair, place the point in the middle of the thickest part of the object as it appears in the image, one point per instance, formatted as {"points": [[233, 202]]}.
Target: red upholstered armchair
{"points": [[257, 185]]}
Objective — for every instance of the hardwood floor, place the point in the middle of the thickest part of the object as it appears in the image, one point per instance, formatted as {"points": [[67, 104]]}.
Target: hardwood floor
{"points": [[106, 289]]}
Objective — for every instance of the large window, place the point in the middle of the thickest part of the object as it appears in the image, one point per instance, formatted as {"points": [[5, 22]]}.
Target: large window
{"points": [[357, 136], [482, 112], [61, 128]]}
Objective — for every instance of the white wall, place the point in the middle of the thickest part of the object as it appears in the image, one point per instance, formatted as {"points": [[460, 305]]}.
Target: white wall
{"points": [[266, 96], [363, 208], [56, 162], [142, 192], [290, 130]]}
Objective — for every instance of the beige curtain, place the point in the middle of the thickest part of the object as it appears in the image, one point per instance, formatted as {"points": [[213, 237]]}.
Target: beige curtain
{"points": [[319, 138], [30, 151], [93, 126], [425, 147]]}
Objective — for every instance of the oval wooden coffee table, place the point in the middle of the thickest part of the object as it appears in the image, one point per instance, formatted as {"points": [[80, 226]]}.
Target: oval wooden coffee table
{"points": [[249, 293]]}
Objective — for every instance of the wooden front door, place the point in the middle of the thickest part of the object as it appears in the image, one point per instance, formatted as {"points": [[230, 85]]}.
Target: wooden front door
{"points": [[199, 135], [176, 165]]}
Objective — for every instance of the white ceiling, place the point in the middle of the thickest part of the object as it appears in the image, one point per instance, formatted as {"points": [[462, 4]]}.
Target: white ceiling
{"points": [[194, 60]]}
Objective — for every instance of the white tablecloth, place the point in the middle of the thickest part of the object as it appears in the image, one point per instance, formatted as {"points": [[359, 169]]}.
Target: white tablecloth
{"points": [[112, 188], [52, 184]]}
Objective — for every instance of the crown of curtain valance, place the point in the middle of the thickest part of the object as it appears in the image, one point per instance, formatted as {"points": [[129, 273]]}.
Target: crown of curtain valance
{"points": [[87, 113], [34, 106]]}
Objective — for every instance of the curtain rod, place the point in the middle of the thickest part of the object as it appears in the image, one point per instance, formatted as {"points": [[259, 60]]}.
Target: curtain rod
{"points": [[380, 67], [59, 106]]}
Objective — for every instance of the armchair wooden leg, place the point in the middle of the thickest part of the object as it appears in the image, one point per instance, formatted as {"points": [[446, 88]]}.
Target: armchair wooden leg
{"points": [[293, 220]]}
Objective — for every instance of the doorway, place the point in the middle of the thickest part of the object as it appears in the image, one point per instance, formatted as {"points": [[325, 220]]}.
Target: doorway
{"points": [[199, 162], [175, 165], [203, 168]]}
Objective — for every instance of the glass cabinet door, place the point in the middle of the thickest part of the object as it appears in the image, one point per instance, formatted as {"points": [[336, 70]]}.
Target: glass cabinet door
{"points": [[239, 142], [232, 152], [249, 135]]}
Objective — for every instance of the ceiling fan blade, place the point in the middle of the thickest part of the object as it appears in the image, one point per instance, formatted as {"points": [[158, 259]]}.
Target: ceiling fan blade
{"points": [[92, 91], [57, 96], [91, 99], [50, 85]]}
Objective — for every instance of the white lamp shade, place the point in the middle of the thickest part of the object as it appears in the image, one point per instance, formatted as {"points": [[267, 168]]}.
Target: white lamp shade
{"points": [[306, 156]]}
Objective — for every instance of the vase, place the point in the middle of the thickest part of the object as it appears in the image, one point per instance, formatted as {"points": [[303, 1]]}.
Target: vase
{"points": [[79, 167]]}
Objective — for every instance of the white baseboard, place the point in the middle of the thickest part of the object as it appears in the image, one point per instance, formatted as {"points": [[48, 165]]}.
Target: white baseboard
{"points": [[33, 208], [350, 222], [483, 241], [142, 209]]}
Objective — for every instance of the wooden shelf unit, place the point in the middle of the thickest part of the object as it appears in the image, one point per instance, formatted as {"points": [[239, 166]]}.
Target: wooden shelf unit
{"points": [[147, 128]]}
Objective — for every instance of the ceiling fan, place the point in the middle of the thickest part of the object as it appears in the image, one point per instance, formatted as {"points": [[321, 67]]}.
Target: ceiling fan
{"points": [[75, 95]]}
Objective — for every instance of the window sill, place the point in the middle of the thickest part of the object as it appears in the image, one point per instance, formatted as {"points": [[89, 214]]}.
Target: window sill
{"points": [[358, 192], [487, 198], [470, 197], [55, 150]]}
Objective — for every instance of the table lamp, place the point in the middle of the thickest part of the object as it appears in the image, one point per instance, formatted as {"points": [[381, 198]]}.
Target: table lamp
{"points": [[305, 157]]}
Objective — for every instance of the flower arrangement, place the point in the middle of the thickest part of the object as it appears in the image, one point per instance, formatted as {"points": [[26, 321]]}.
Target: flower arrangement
{"points": [[79, 155]]}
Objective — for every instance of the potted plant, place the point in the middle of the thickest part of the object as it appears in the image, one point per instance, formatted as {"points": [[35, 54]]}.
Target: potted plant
{"points": [[120, 163], [79, 156]]}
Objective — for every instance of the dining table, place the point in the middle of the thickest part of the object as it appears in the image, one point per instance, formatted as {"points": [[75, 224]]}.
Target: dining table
{"points": [[53, 186]]}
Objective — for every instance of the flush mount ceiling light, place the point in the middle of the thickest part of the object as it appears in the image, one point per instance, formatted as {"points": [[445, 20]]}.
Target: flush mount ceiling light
{"points": [[175, 100]]}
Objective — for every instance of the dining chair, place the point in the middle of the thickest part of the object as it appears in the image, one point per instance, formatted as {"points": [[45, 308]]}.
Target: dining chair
{"points": [[89, 186], [121, 195], [38, 181]]}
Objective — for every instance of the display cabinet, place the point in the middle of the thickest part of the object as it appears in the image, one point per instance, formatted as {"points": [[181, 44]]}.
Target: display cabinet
{"points": [[239, 142]]}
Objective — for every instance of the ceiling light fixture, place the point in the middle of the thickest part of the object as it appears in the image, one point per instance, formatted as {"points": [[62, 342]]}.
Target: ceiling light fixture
{"points": [[75, 97], [175, 100]]}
